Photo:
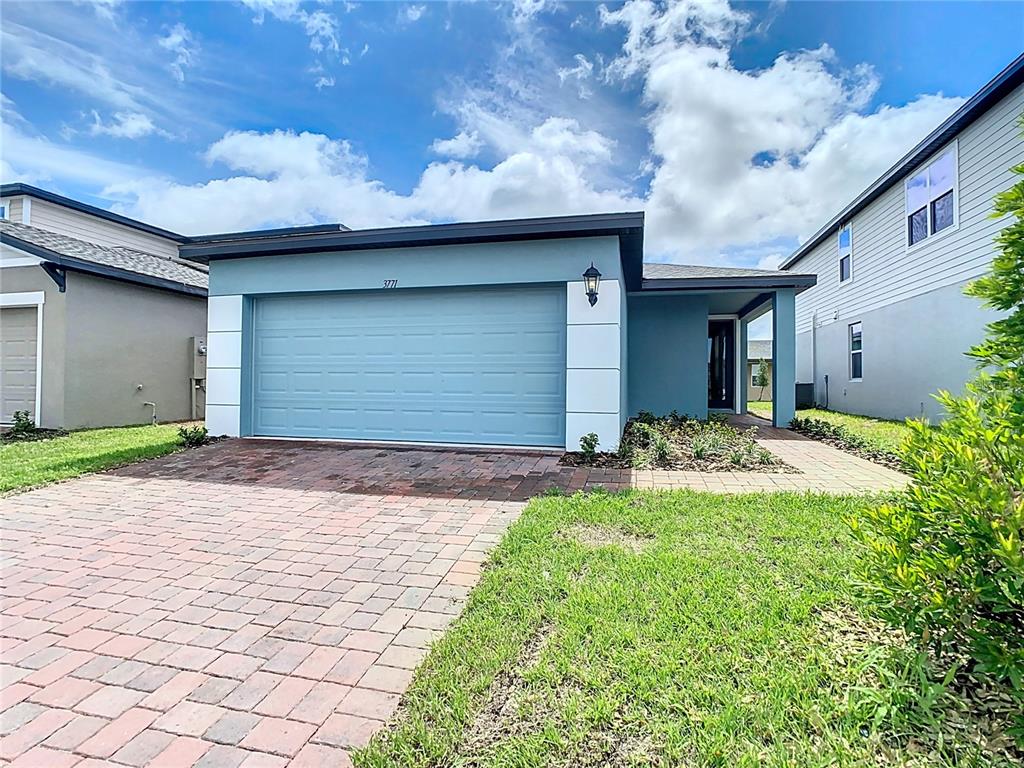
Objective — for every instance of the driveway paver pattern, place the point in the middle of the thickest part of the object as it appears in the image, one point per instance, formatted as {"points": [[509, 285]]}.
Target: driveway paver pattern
{"points": [[254, 602], [217, 607]]}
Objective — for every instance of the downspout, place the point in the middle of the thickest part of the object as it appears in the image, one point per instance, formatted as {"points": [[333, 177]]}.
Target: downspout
{"points": [[814, 356]]}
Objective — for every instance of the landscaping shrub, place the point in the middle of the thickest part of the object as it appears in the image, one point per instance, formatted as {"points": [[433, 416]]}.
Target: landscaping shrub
{"points": [[193, 437], [588, 445], [943, 560], [22, 425], [676, 441], [24, 429]]}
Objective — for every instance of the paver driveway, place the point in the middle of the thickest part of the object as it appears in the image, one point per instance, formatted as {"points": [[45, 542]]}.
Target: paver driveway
{"points": [[249, 603], [261, 603]]}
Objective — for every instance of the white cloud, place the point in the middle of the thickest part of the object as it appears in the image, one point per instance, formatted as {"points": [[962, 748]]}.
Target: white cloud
{"points": [[284, 178], [320, 26], [105, 9], [462, 145], [730, 165], [771, 260], [180, 42], [582, 72], [746, 157], [32, 55], [412, 13], [125, 125], [35, 159]]}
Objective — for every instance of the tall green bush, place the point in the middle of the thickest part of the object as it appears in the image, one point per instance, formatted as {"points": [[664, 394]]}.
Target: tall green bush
{"points": [[944, 559]]}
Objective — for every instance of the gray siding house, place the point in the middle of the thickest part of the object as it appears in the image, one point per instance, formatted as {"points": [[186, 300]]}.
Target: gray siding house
{"points": [[100, 321], [887, 324]]}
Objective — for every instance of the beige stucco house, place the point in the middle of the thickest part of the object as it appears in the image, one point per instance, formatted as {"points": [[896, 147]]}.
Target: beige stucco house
{"points": [[101, 324]]}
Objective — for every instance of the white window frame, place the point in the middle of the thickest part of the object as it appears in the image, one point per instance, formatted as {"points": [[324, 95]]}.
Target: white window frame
{"points": [[851, 351], [755, 366], [953, 146], [32, 299], [839, 262], [5, 204]]}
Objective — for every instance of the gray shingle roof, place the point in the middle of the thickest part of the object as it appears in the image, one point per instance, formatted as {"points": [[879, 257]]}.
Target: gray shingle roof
{"points": [[688, 271], [129, 260], [758, 349]]}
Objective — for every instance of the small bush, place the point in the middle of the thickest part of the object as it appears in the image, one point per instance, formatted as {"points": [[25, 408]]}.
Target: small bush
{"points": [[944, 559], [588, 445], [661, 450], [22, 425], [193, 437]]}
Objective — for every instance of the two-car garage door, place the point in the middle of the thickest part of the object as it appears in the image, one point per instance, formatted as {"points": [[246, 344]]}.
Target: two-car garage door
{"points": [[433, 365], [18, 349]]}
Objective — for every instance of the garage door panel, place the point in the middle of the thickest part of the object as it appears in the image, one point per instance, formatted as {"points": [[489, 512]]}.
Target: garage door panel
{"points": [[454, 365], [18, 353]]}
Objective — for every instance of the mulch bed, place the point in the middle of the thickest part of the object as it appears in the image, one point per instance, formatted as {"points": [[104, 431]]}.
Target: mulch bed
{"points": [[31, 437], [849, 445], [679, 443]]}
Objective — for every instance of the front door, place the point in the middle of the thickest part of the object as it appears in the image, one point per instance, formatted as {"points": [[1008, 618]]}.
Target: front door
{"points": [[721, 364]]}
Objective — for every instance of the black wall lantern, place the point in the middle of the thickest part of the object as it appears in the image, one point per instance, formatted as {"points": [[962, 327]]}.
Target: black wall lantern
{"points": [[591, 280]]}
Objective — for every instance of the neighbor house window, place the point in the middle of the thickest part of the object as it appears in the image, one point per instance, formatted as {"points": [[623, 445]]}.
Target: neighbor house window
{"points": [[755, 370], [856, 352], [3, 211], [845, 254], [931, 198]]}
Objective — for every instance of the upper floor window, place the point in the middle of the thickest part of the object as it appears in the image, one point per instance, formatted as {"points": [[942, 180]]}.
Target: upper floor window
{"points": [[845, 253], [3, 210], [931, 198]]}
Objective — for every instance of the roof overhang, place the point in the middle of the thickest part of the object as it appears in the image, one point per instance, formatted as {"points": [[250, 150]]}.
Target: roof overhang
{"points": [[798, 283], [627, 227], [994, 91], [100, 270], [16, 189]]}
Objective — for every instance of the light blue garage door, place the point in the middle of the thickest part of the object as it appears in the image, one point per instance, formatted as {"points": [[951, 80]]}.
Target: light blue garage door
{"points": [[434, 365]]}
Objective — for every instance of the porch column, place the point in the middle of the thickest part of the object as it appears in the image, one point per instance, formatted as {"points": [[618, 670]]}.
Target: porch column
{"points": [[783, 357], [593, 360], [741, 361], [224, 365]]}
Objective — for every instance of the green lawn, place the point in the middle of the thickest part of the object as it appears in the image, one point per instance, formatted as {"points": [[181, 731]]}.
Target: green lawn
{"points": [[881, 434], [26, 464], [709, 640]]}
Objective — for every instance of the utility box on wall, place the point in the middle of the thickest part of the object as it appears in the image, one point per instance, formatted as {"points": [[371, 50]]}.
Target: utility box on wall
{"points": [[197, 381], [804, 395]]}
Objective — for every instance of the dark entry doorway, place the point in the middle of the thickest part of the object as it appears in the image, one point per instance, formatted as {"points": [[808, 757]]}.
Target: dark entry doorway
{"points": [[721, 364]]}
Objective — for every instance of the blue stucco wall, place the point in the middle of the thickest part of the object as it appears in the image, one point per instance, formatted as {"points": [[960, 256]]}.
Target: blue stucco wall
{"points": [[538, 261], [783, 357], [668, 369]]}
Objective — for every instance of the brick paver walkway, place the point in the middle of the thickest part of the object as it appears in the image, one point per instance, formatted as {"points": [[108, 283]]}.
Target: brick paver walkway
{"points": [[820, 468], [260, 603]]}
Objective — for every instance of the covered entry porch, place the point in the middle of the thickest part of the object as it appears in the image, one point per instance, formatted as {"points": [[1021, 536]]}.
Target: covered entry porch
{"points": [[688, 329]]}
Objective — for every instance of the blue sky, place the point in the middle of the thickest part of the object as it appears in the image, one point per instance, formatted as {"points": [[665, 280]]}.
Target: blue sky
{"points": [[738, 129]]}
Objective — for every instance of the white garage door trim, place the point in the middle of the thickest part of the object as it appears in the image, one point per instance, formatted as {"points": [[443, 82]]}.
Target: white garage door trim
{"points": [[31, 299]]}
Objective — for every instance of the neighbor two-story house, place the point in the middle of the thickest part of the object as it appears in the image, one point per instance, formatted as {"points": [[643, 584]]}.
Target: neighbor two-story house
{"points": [[887, 324], [101, 323]]}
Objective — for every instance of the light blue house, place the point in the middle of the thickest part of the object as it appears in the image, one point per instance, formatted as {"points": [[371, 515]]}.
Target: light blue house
{"points": [[477, 334]]}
